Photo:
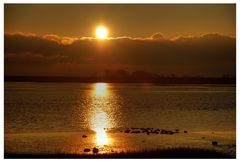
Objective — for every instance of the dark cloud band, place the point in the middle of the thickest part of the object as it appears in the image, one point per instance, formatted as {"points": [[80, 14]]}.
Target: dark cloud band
{"points": [[180, 55]]}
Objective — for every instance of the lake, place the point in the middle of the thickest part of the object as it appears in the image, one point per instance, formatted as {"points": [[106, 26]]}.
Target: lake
{"points": [[53, 117]]}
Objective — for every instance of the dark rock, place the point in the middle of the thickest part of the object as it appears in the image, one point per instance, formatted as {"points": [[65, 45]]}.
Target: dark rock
{"points": [[203, 137], [214, 143], [170, 132], [163, 131], [127, 131], [144, 130], [156, 131], [84, 136], [185, 131], [86, 150], [95, 150], [176, 131], [135, 132]]}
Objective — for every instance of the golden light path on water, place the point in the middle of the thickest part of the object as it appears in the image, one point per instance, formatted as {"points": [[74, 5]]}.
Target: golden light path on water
{"points": [[100, 118]]}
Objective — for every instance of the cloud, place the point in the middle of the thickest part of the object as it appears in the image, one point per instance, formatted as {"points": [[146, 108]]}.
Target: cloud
{"points": [[210, 54], [158, 36], [53, 37]]}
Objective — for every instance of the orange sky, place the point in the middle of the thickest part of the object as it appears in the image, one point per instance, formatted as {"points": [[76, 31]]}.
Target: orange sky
{"points": [[122, 20]]}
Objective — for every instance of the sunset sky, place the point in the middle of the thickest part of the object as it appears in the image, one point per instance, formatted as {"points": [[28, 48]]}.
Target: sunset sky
{"points": [[59, 40]]}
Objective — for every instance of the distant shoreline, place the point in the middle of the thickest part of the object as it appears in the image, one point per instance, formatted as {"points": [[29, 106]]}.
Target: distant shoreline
{"points": [[157, 80]]}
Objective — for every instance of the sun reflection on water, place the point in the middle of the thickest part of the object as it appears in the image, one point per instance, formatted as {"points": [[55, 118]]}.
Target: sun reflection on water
{"points": [[100, 118], [100, 89], [99, 122], [101, 137]]}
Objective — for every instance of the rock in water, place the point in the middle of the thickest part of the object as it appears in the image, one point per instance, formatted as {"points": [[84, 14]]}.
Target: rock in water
{"points": [[127, 131], [86, 150], [214, 143], [163, 131], [95, 150], [170, 132], [135, 132], [144, 130], [156, 131]]}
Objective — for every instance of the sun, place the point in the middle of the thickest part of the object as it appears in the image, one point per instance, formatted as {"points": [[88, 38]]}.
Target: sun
{"points": [[101, 32]]}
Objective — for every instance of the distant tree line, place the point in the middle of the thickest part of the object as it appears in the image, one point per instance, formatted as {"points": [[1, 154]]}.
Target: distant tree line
{"points": [[123, 76]]}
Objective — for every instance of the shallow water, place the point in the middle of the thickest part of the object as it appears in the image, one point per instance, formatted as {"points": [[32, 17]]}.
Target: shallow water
{"points": [[52, 117]]}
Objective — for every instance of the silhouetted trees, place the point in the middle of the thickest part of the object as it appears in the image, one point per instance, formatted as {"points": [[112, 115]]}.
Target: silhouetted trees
{"points": [[123, 76], [117, 73]]}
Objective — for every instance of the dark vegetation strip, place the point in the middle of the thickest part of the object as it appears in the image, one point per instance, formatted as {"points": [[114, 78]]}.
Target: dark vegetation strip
{"points": [[173, 153], [157, 80]]}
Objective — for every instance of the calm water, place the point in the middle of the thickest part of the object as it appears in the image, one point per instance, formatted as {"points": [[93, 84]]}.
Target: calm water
{"points": [[58, 114]]}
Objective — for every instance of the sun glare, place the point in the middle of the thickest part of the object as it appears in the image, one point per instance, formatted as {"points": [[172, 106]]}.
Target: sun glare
{"points": [[100, 121], [101, 89], [101, 32], [101, 137]]}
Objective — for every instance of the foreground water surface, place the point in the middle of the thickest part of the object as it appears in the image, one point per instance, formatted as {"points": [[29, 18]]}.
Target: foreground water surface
{"points": [[53, 117]]}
